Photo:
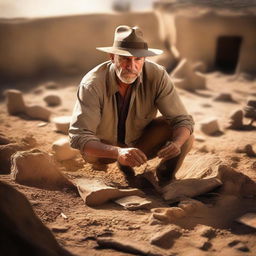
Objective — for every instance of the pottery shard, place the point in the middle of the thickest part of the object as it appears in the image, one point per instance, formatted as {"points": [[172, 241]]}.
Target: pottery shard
{"points": [[166, 238], [15, 102], [236, 119], [37, 168], [38, 112], [63, 151], [95, 193], [52, 100], [62, 123], [210, 126]]}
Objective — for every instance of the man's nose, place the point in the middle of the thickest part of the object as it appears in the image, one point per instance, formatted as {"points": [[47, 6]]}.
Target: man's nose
{"points": [[132, 64]]}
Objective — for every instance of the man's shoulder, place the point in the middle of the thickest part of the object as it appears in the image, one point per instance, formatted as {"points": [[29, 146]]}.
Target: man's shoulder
{"points": [[153, 71], [153, 66], [97, 75]]}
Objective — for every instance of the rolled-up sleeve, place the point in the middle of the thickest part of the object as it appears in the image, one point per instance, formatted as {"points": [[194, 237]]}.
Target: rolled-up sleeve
{"points": [[85, 118], [170, 106]]}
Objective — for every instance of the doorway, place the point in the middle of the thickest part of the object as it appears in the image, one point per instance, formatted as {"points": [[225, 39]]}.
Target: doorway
{"points": [[227, 53]]}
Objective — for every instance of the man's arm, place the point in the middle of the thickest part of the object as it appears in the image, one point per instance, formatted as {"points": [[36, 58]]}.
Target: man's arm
{"points": [[173, 148], [125, 156]]}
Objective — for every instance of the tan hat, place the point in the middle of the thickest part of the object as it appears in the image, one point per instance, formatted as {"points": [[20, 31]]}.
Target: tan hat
{"points": [[129, 41]]}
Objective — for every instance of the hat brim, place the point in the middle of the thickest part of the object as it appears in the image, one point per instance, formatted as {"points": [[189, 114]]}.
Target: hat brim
{"points": [[131, 52]]}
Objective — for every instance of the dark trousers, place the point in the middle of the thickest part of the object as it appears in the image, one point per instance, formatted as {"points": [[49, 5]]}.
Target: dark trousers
{"points": [[155, 135]]}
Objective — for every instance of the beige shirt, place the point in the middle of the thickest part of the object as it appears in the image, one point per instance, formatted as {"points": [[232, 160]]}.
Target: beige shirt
{"points": [[95, 115]]}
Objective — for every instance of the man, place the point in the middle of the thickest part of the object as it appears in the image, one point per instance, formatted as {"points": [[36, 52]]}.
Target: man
{"points": [[115, 114]]}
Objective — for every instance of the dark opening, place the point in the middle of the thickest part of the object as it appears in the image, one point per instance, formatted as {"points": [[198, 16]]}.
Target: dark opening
{"points": [[227, 53]]}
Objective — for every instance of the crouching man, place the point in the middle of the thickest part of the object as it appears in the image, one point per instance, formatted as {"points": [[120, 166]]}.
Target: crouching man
{"points": [[114, 118]]}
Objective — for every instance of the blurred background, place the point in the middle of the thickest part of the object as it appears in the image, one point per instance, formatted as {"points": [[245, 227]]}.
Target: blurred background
{"points": [[51, 37]]}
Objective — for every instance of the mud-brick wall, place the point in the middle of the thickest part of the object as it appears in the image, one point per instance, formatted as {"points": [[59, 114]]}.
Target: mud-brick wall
{"points": [[196, 38], [64, 44]]}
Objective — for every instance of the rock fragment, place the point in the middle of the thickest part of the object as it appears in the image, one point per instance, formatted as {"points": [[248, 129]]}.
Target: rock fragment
{"points": [[247, 149], [62, 123], [38, 112], [6, 151], [165, 239], [251, 102], [169, 214], [178, 189], [63, 151], [37, 168], [125, 245], [134, 202], [248, 219], [22, 232], [210, 126], [52, 100], [236, 119], [4, 140], [15, 102], [224, 97]]}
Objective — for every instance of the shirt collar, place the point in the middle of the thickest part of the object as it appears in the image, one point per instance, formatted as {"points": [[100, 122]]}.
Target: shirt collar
{"points": [[112, 83]]}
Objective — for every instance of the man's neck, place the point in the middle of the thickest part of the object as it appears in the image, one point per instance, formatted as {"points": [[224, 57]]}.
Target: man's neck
{"points": [[122, 88]]}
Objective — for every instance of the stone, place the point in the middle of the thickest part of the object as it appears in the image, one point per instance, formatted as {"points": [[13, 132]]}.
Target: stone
{"points": [[247, 149], [169, 214], [190, 205], [128, 246], [187, 76], [134, 202], [200, 138], [21, 229], [6, 151], [195, 167], [51, 85], [236, 119], [206, 231], [37, 168], [165, 239], [250, 112], [95, 192], [63, 151], [225, 97], [38, 112], [62, 123], [4, 140], [179, 189], [248, 219], [15, 102], [210, 126], [52, 100], [251, 102]]}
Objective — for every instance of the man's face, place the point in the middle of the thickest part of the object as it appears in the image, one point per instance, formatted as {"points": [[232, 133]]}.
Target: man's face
{"points": [[127, 68]]}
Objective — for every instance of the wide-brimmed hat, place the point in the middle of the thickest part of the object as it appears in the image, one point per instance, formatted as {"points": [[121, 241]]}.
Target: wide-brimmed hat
{"points": [[128, 41]]}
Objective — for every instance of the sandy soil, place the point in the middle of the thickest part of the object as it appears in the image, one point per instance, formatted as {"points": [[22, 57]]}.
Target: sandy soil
{"points": [[83, 224]]}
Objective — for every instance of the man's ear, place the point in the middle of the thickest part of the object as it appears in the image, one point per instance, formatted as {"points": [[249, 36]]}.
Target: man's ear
{"points": [[111, 56]]}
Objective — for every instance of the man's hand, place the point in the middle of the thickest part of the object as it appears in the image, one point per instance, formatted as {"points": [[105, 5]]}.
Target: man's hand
{"points": [[169, 151], [131, 157]]}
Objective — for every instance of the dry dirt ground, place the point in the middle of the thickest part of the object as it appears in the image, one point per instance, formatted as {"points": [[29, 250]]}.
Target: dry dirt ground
{"points": [[83, 224]]}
